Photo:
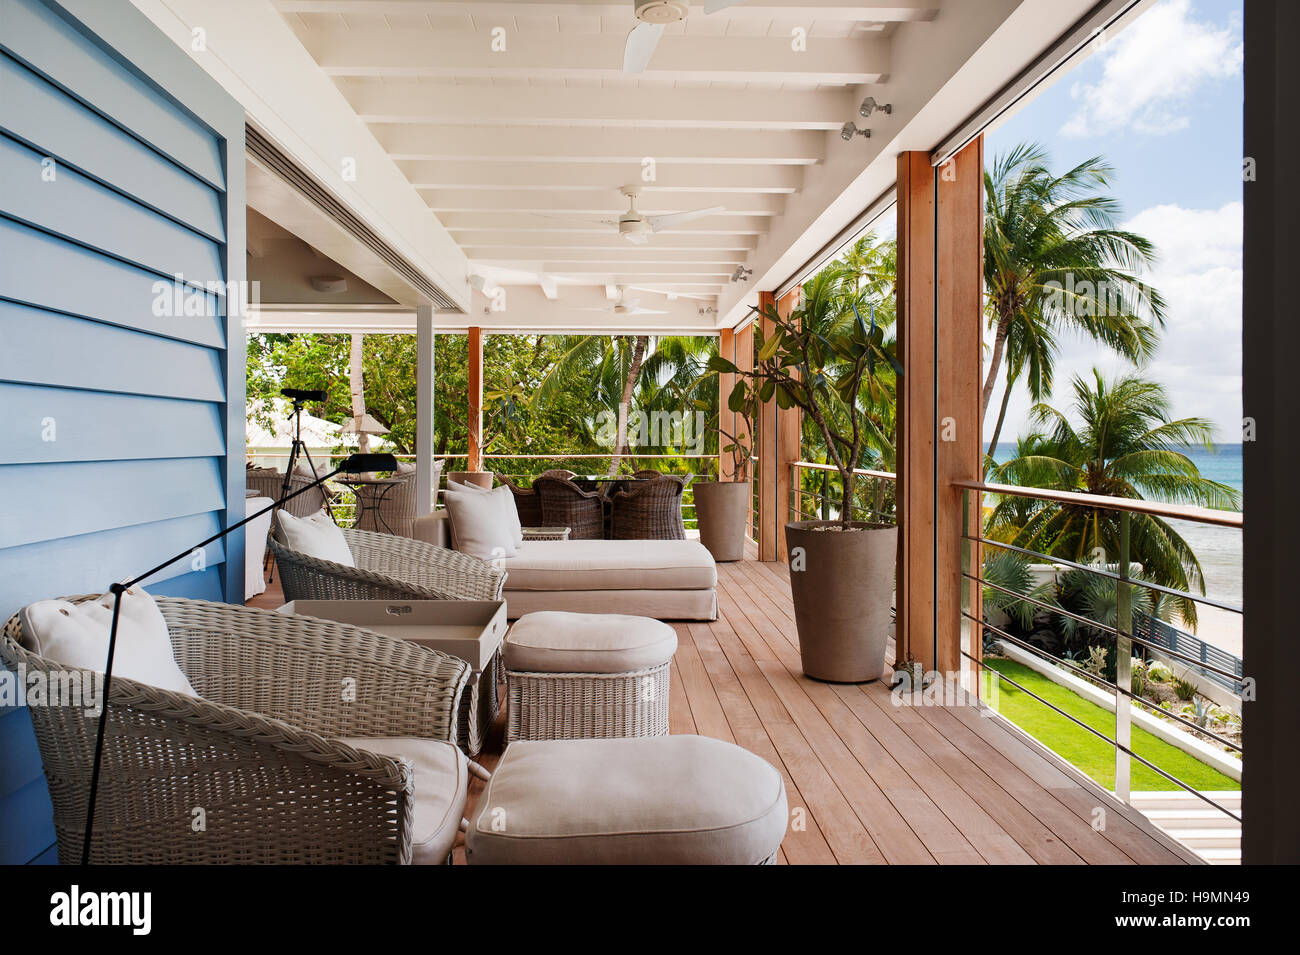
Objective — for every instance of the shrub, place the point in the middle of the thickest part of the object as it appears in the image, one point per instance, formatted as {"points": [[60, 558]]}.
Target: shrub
{"points": [[1184, 689]]}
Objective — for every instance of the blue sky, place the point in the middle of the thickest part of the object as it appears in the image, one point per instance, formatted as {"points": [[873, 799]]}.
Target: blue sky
{"points": [[1161, 102]]}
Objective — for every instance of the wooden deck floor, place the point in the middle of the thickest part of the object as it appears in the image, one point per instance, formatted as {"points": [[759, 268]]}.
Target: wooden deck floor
{"points": [[871, 782]]}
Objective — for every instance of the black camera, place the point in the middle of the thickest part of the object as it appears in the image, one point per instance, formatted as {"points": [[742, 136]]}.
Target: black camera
{"points": [[302, 394]]}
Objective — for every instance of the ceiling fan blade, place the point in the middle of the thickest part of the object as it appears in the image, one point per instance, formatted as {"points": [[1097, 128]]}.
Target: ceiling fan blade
{"points": [[713, 6], [671, 219], [646, 311], [640, 46], [630, 304]]}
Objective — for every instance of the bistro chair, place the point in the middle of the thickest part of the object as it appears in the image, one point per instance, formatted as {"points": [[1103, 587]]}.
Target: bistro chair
{"points": [[648, 510], [527, 503], [564, 504]]}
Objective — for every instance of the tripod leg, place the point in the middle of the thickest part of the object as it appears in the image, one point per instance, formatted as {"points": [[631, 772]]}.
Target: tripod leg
{"points": [[324, 493]]}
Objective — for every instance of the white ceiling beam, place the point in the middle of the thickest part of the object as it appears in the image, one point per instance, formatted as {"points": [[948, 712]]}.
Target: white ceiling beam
{"points": [[479, 144], [600, 202], [407, 101], [550, 288], [575, 177], [844, 10], [384, 52], [468, 222], [527, 309], [601, 241], [561, 259]]}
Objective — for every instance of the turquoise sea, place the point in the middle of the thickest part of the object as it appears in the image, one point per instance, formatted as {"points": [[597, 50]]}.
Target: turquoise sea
{"points": [[1217, 548]]}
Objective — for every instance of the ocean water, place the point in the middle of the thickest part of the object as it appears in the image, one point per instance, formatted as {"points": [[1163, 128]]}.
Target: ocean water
{"points": [[1217, 548]]}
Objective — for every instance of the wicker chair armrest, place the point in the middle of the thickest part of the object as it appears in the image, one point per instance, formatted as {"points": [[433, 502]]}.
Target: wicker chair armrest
{"points": [[323, 676], [546, 533], [459, 576]]}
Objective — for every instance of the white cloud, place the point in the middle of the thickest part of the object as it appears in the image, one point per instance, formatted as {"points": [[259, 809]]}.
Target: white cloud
{"points": [[1152, 71], [1199, 359]]}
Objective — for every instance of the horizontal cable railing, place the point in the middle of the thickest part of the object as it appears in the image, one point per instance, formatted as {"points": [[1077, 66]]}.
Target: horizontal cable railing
{"points": [[343, 499], [827, 507], [1130, 627]]}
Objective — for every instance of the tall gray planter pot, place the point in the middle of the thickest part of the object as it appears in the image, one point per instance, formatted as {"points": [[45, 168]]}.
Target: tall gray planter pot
{"points": [[722, 514], [842, 582]]}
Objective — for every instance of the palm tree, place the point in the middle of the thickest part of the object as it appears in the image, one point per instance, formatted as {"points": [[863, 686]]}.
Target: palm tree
{"points": [[1054, 262], [1125, 445], [653, 373]]}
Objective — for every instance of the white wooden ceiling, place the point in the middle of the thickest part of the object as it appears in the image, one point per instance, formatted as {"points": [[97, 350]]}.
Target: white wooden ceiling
{"points": [[515, 149]]}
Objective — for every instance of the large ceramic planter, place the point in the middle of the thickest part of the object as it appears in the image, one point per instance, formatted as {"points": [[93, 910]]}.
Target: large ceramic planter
{"points": [[843, 583], [722, 514]]}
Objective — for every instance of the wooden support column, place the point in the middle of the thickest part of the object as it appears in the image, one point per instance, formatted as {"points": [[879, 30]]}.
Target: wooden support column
{"points": [[475, 418], [744, 346], [779, 442], [959, 323], [914, 627], [940, 320], [726, 418]]}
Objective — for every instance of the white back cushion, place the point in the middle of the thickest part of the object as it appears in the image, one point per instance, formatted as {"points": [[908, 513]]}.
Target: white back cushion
{"points": [[316, 536], [76, 635], [484, 523], [511, 513]]}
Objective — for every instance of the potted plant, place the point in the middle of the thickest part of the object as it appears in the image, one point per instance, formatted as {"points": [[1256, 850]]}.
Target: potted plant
{"points": [[841, 571], [722, 507]]}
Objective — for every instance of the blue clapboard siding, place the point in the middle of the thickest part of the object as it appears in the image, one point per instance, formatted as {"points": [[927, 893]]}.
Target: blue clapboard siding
{"points": [[121, 353]]}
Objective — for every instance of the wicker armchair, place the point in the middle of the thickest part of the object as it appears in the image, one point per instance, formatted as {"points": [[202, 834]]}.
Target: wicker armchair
{"points": [[648, 510], [258, 750], [564, 504], [560, 473], [269, 482], [387, 568], [527, 503]]}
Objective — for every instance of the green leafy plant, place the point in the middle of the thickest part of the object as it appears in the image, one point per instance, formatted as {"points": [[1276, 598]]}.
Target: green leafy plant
{"points": [[1184, 689], [1004, 571], [823, 365]]}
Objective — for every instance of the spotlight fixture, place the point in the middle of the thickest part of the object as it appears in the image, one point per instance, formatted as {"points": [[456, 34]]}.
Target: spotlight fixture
{"points": [[869, 105], [708, 310], [848, 131], [741, 274]]}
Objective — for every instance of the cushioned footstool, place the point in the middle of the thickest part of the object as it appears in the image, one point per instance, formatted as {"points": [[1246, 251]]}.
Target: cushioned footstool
{"points": [[587, 676], [670, 800]]}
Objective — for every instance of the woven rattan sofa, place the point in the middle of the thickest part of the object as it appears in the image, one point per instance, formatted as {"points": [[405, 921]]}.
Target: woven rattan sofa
{"points": [[284, 766], [388, 567]]}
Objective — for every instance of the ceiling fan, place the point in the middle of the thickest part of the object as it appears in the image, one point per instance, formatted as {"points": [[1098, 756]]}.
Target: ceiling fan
{"points": [[623, 306], [654, 16], [637, 227]]}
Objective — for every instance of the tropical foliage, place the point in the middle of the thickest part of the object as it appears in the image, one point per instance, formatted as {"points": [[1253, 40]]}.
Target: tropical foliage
{"points": [[1056, 263], [1122, 442]]}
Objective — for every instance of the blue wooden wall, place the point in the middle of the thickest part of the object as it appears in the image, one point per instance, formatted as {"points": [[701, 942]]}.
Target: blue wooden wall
{"points": [[121, 420]]}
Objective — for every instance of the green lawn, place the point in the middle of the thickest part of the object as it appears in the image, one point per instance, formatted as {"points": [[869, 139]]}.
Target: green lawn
{"points": [[1093, 756]]}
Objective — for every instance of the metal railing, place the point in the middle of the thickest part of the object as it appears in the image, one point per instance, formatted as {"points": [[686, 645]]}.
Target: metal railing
{"points": [[1127, 632], [877, 503], [343, 501]]}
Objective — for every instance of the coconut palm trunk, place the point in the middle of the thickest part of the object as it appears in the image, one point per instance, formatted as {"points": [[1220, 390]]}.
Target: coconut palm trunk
{"points": [[621, 448], [356, 381]]}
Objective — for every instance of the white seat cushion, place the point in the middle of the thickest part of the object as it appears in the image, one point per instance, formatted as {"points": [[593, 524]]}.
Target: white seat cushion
{"points": [[316, 536], [665, 800], [552, 642], [76, 635], [441, 784], [613, 565]]}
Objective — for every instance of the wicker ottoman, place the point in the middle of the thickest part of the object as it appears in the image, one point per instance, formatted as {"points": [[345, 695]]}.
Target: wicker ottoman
{"points": [[671, 800], [587, 676]]}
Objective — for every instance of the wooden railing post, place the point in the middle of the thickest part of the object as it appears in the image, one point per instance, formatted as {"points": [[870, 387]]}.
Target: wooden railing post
{"points": [[744, 351]]}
